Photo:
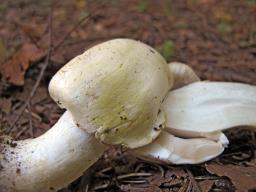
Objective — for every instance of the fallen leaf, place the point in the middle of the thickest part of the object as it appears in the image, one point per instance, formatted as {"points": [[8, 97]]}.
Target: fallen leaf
{"points": [[14, 69], [206, 185], [33, 30], [5, 105], [179, 172], [244, 178]]}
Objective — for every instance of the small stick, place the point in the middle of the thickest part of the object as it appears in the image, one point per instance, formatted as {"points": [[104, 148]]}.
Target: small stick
{"points": [[85, 18], [46, 63], [206, 178], [105, 170], [161, 169], [185, 186], [86, 188], [104, 186], [134, 181], [139, 167], [134, 175], [31, 129], [194, 183], [20, 132], [49, 53], [34, 115]]}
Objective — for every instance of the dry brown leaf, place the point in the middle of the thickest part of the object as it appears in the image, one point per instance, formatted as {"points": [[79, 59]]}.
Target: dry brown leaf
{"points": [[14, 69], [179, 172], [33, 30], [5, 105], [206, 185], [244, 178]]}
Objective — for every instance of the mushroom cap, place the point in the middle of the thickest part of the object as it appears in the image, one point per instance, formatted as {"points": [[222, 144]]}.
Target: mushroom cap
{"points": [[115, 90]]}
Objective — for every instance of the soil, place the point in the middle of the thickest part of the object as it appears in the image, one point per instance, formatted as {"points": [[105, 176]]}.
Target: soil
{"points": [[216, 38]]}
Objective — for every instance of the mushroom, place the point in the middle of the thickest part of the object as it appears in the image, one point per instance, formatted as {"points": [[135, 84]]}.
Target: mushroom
{"points": [[113, 89], [122, 92], [86, 87], [49, 162]]}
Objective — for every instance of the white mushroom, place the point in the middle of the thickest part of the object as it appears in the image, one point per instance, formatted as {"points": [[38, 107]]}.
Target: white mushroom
{"points": [[114, 89], [171, 149], [203, 108], [119, 93], [49, 162], [108, 91], [182, 74]]}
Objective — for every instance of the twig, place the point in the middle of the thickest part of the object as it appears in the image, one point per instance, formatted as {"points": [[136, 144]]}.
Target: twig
{"points": [[46, 63], [105, 170], [86, 188], [194, 183], [184, 187], [199, 178], [103, 186], [135, 181], [20, 132], [84, 182], [30, 124], [134, 175], [31, 128], [161, 169], [139, 167], [34, 115], [85, 18], [51, 48], [102, 172]]}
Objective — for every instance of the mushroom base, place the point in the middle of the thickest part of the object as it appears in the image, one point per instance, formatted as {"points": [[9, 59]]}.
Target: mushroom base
{"points": [[49, 162]]}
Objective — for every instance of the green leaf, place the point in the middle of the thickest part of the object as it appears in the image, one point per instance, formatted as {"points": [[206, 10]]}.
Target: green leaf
{"points": [[167, 49], [142, 6], [224, 28]]}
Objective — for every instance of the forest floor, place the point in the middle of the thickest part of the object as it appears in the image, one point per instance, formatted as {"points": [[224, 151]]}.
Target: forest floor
{"points": [[216, 38]]}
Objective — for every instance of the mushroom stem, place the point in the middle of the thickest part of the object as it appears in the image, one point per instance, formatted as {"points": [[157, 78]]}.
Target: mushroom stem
{"points": [[49, 162]]}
